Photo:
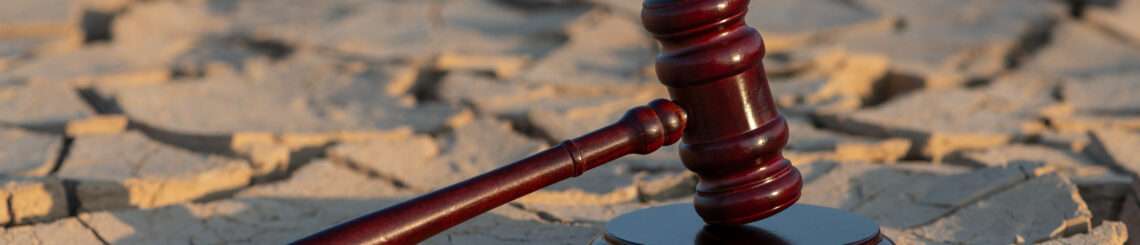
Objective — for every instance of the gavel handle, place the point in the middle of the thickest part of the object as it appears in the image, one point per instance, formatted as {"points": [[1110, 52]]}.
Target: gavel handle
{"points": [[642, 130]]}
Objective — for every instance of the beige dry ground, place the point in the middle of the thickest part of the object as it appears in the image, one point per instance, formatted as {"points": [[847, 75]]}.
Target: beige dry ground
{"points": [[261, 121]]}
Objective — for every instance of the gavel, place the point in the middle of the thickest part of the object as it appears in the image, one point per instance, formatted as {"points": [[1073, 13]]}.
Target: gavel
{"points": [[722, 111]]}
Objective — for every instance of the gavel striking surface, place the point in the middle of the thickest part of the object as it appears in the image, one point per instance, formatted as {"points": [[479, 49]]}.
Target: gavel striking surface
{"points": [[799, 224]]}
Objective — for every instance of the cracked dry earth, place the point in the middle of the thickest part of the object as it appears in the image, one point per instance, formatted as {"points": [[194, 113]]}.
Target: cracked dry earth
{"points": [[261, 121]]}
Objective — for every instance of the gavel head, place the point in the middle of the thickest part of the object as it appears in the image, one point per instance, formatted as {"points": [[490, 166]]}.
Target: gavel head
{"points": [[710, 60]]}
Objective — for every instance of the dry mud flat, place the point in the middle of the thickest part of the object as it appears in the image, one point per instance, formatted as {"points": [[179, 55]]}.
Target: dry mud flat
{"points": [[261, 121]]}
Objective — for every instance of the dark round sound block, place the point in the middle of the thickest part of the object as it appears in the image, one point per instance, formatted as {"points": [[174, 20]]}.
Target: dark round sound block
{"points": [[799, 224]]}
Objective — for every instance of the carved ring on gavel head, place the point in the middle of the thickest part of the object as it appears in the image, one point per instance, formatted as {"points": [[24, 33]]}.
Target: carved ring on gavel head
{"points": [[710, 60], [731, 133]]}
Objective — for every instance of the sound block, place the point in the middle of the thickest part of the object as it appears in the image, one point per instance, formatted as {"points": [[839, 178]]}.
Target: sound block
{"points": [[799, 224]]}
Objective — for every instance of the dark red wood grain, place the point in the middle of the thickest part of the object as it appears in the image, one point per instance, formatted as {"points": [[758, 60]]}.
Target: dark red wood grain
{"points": [[710, 61], [641, 131], [733, 134]]}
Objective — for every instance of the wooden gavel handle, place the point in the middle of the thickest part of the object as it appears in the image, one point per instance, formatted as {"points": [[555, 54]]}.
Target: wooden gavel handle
{"points": [[642, 130]]}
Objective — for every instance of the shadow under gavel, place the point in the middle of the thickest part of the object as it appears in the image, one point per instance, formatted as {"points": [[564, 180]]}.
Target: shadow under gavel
{"points": [[732, 234], [641, 130]]}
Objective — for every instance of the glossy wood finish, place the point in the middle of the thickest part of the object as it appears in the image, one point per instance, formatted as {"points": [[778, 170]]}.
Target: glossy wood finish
{"points": [[733, 134], [710, 61], [642, 130], [799, 224]]}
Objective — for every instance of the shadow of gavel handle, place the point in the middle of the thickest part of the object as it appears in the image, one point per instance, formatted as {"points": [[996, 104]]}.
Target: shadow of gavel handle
{"points": [[641, 130]]}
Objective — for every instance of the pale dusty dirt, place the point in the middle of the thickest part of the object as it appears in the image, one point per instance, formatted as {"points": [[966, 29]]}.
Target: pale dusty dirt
{"points": [[262, 121]]}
